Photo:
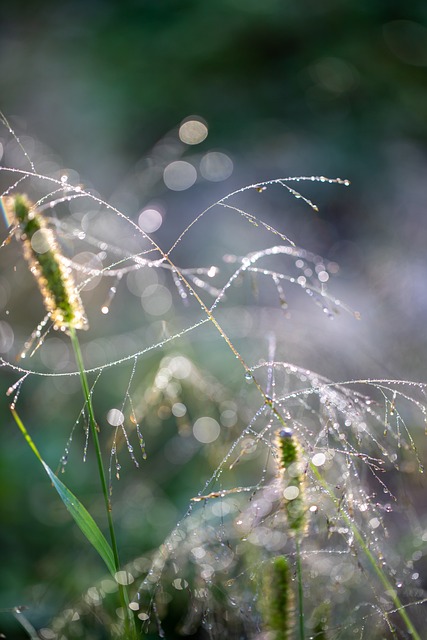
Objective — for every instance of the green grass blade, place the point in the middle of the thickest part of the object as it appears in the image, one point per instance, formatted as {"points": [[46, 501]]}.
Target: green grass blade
{"points": [[81, 516], [83, 519]]}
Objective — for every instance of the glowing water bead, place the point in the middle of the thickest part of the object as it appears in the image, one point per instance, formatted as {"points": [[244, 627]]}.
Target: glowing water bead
{"points": [[216, 166], [193, 130], [293, 478], [110, 296], [206, 430], [318, 459], [150, 219], [179, 175], [179, 409], [115, 417], [156, 300]]}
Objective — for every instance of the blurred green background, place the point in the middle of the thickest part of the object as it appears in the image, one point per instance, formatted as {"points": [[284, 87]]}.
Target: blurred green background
{"points": [[336, 88]]}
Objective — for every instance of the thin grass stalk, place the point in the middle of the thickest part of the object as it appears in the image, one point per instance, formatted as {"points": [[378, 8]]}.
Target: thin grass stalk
{"points": [[25, 624], [358, 536], [277, 600], [295, 509], [301, 625], [129, 620]]}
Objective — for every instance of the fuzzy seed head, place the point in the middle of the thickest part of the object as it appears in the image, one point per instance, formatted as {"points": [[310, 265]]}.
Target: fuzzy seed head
{"points": [[293, 478], [46, 263], [278, 599]]}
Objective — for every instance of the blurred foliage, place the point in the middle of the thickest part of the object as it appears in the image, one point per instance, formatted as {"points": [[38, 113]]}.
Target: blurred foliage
{"points": [[349, 77]]}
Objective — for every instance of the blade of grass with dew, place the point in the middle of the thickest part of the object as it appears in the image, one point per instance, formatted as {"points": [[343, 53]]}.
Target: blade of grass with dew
{"points": [[81, 516]]}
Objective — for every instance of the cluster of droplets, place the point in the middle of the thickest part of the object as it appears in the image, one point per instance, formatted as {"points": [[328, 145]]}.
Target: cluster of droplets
{"points": [[339, 434], [315, 273]]}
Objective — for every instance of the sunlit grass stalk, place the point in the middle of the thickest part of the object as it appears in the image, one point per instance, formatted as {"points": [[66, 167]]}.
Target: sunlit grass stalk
{"points": [[289, 461], [391, 591], [278, 600], [46, 263], [62, 301], [301, 625], [129, 620], [19, 616]]}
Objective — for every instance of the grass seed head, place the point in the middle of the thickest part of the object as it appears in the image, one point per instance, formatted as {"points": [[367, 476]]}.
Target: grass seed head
{"points": [[53, 275], [278, 599], [293, 478]]}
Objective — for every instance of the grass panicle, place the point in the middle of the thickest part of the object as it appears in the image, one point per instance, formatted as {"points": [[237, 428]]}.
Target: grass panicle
{"points": [[292, 472], [46, 263], [278, 599]]}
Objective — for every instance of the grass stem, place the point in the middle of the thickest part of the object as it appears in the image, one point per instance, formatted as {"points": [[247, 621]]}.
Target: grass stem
{"points": [[128, 615], [300, 590]]}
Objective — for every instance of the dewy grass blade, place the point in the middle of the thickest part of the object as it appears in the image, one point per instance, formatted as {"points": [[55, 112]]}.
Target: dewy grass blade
{"points": [[81, 516]]}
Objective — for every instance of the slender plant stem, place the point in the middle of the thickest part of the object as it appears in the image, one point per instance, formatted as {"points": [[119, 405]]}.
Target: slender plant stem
{"points": [[300, 590], [391, 591], [32, 633], [128, 615]]}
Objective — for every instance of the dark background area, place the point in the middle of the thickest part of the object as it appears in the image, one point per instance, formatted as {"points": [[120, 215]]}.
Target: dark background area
{"points": [[335, 88]]}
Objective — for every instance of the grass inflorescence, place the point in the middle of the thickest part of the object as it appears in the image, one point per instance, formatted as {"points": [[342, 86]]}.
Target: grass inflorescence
{"points": [[278, 599], [46, 263]]}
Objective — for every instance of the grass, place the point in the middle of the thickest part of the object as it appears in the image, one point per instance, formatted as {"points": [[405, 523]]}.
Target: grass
{"points": [[292, 463]]}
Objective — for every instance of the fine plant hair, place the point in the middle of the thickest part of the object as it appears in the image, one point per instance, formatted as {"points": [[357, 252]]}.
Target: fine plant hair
{"points": [[290, 534]]}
